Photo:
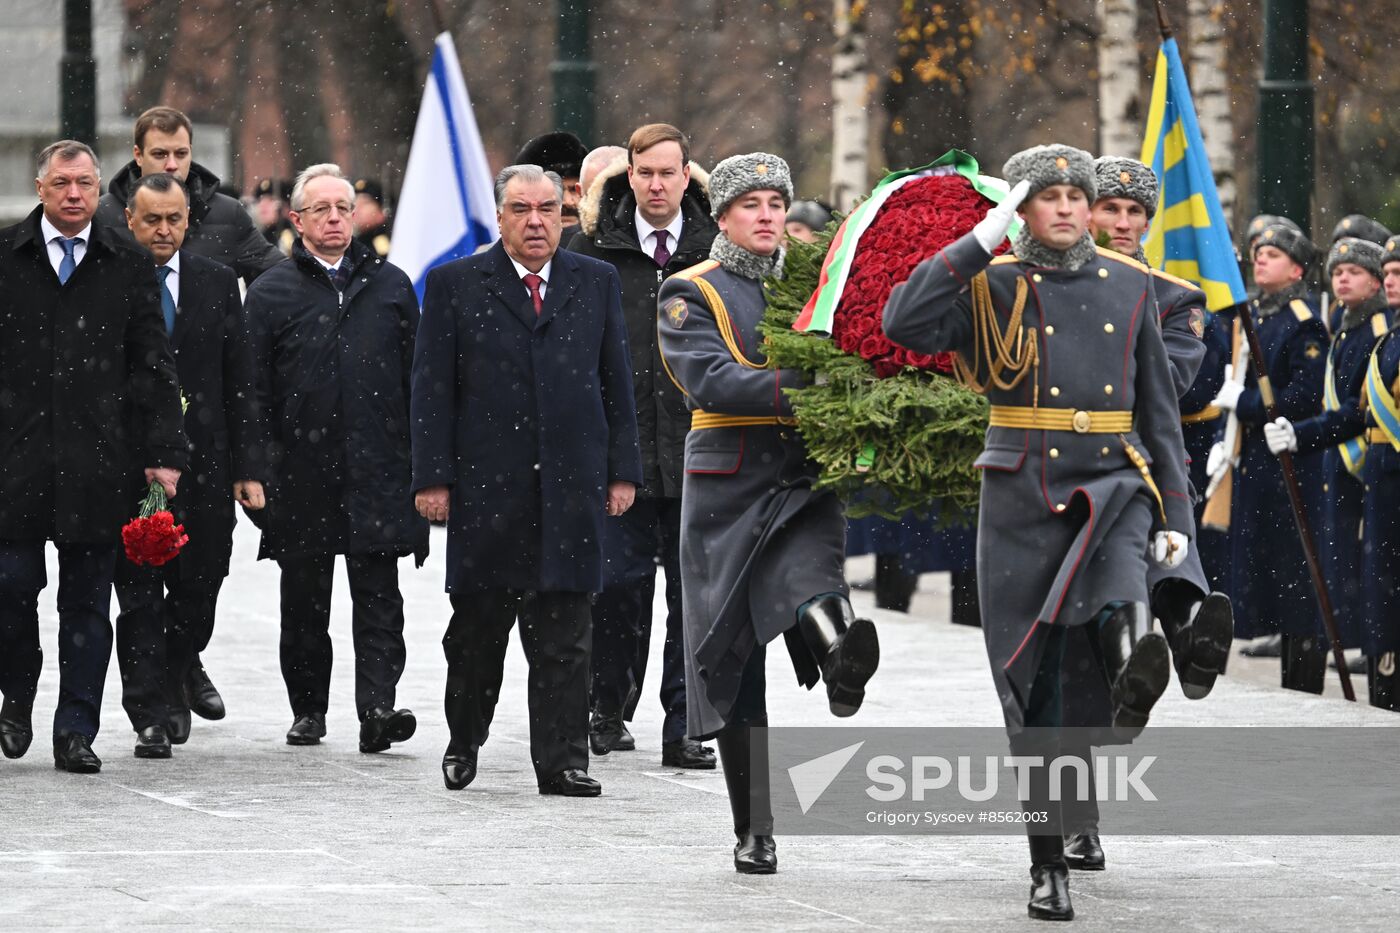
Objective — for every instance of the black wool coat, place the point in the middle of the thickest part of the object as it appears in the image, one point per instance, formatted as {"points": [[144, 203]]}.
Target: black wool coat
{"points": [[88, 394], [226, 443], [220, 229], [526, 417], [332, 376]]}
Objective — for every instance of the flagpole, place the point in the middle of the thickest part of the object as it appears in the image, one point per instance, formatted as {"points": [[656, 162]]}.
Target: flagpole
{"points": [[1162, 23], [1295, 499]]}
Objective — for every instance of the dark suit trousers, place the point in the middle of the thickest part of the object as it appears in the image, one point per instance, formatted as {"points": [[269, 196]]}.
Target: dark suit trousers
{"points": [[376, 623], [84, 628], [622, 614], [162, 618], [554, 633]]}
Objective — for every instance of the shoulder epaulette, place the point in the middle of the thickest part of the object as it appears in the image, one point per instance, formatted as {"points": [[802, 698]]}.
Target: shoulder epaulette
{"points": [[1119, 257], [700, 268], [1004, 259], [1175, 279], [1300, 310], [1378, 324]]}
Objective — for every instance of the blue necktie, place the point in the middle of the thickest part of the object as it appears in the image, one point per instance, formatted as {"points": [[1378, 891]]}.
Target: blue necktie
{"points": [[167, 300], [69, 262]]}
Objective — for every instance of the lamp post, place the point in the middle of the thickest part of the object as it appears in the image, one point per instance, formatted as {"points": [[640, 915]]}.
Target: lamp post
{"points": [[1285, 141], [77, 75], [573, 70]]}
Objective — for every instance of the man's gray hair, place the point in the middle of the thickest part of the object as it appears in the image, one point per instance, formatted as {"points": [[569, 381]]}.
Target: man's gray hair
{"points": [[526, 173], [321, 170], [65, 150], [160, 183]]}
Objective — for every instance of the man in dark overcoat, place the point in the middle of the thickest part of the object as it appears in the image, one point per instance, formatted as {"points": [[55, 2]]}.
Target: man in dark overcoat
{"points": [[88, 398], [524, 438], [1082, 467], [167, 612], [649, 217], [332, 335]]}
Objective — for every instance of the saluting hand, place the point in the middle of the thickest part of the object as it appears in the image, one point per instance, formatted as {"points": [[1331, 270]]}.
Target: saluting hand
{"points": [[991, 230]]}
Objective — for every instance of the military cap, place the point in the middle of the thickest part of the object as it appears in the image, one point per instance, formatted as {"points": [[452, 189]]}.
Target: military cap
{"points": [[1286, 236], [1117, 177], [737, 175], [814, 214], [1362, 228], [1369, 256], [1392, 251], [370, 188], [1260, 223], [1055, 164], [273, 188], [561, 153]]}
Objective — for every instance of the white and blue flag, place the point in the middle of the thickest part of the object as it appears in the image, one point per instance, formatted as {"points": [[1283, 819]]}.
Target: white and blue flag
{"points": [[447, 208]]}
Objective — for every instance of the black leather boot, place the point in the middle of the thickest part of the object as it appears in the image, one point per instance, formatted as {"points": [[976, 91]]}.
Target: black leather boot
{"points": [[894, 586], [967, 607], [846, 649], [1382, 684], [1083, 851], [1049, 899], [1304, 663], [1136, 660], [1199, 632], [755, 852]]}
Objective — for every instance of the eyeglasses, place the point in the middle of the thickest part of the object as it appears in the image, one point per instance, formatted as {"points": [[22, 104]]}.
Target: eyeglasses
{"points": [[321, 210]]}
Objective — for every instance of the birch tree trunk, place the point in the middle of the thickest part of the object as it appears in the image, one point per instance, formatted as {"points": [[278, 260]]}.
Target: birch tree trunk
{"points": [[850, 125], [1120, 80], [1210, 90]]}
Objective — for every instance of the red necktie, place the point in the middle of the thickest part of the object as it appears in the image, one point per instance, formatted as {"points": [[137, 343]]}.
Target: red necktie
{"points": [[533, 283], [662, 254]]}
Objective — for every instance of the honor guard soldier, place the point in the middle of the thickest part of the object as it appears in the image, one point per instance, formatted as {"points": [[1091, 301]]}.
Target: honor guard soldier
{"points": [[372, 225], [1268, 576], [273, 200], [1082, 467], [1339, 431], [1380, 528], [1362, 228], [762, 550]]}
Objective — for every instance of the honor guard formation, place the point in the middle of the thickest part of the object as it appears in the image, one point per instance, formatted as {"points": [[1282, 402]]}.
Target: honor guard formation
{"points": [[588, 399]]}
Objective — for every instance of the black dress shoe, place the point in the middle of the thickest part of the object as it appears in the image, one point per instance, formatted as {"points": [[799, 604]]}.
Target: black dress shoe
{"points": [[572, 782], [756, 855], [1270, 647], [382, 727], [1050, 893], [458, 770], [309, 729], [177, 726], [1083, 851], [605, 732], [204, 699], [16, 730], [152, 742], [73, 753], [687, 753], [625, 741]]}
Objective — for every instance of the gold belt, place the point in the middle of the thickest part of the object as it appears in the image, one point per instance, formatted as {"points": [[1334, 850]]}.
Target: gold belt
{"points": [[1209, 413], [1061, 419], [708, 419]]}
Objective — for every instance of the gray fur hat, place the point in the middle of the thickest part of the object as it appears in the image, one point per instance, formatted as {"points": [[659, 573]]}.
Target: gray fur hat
{"points": [[1286, 236], [1054, 164], [1260, 223], [1369, 256], [1362, 228], [1392, 251], [737, 175], [1118, 177]]}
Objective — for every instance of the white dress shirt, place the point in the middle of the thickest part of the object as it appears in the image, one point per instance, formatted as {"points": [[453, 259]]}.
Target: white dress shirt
{"points": [[55, 248], [522, 272], [646, 233]]}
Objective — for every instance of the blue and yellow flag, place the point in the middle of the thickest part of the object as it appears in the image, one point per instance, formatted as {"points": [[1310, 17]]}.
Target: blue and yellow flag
{"points": [[1188, 237]]}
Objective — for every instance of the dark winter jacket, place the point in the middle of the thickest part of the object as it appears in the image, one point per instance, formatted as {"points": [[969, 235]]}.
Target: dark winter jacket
{"points": [[609, 233], [333, 384], [220, 229], [88, 394]]}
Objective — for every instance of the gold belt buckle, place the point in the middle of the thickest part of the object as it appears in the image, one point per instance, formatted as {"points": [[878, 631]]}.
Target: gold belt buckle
{"points": [[1081, 422]]}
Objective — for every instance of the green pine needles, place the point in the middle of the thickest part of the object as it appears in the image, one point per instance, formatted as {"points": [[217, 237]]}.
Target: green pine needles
{"points": [[885, 446]]}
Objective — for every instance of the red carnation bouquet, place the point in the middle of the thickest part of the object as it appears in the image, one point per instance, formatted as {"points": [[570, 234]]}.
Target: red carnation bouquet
{"points": [[892, 430], [153, 538]]}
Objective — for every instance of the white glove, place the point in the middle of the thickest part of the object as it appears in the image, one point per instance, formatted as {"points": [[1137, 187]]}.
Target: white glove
{"points": [[991, 230], [1216, 459], [1280, 436], [1229, 397], [1169, 548]]}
